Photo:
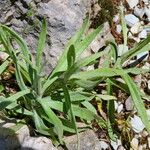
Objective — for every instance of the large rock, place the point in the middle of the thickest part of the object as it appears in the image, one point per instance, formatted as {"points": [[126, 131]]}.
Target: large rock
{"points": [[14, 137], [88, 141], [64, 17]]}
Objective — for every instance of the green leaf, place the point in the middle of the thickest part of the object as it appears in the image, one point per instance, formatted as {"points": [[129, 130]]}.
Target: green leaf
{"points": [[41, 45], [62, 63], [19, 95], [87, 84], [79, 45], [1, 88], [53, 118], [138, 48], [19, 40], [110, 111], [97, 74], [69, 110], [71, 56], [3, 67], [4, 103], [89, 106], [39, 124], [106, 97], [83, 62], [138, 102]]}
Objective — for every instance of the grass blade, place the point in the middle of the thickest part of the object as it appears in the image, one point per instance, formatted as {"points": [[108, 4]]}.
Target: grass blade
{"points": [[138, 102], [53, 118], [3, 67], [41, 45], [143, 46]]}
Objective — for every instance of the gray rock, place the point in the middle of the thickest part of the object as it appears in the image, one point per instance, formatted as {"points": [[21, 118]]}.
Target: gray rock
{"points": [[132, 3], [38, 143], [129, 104], [21, 139], [137, 124], [131, 20], [64, 18], [9, 139], [139, 12], [143, 34], [88, 141]]}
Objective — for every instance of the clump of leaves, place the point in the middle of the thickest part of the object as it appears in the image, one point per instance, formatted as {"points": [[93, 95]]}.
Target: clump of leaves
{"points": [[53, 102], [56, 101]]}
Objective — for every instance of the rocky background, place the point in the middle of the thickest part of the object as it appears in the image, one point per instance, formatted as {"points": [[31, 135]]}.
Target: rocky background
{"points": [[64, 17]]}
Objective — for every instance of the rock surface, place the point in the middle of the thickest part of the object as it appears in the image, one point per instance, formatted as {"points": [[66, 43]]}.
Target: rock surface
{"points": [[21, 139], [64, 17], [88, 141]]}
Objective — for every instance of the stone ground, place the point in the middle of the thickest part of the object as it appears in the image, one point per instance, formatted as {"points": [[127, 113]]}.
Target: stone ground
{"points": [[24, 16]]}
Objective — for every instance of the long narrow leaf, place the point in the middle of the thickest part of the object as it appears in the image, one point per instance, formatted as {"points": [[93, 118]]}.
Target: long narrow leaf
{"points": [[138, 102], [41, 45]]}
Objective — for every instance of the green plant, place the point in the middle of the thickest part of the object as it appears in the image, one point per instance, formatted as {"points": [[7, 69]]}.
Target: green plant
{"points": [[55, 102]]}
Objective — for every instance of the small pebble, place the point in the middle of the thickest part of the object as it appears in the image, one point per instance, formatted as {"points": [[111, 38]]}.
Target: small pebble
{"points": [[3, 55], [135, 144], [129, 104], [119, 28], [132, 3], [116, 144], [120, 108], [146, 66], [104, 145], [116, 105], [145, 1], [131, 20], [139, 12], [121, 148], [122, 49], [143, 34], [137, 124], [116, 18], [136, 28]]}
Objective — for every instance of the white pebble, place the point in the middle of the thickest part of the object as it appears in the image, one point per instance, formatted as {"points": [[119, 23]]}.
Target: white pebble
{"points": [[139, 12], [129, 104], [120, 108], [122, 49], [116, 144], [119, 28], [134, 143], [132, 3], [143, 34], [3, 55], [116, 105], [131, 20], [116, 18], [137, 124], [136, 28], [104, 145], [146, 66]]}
